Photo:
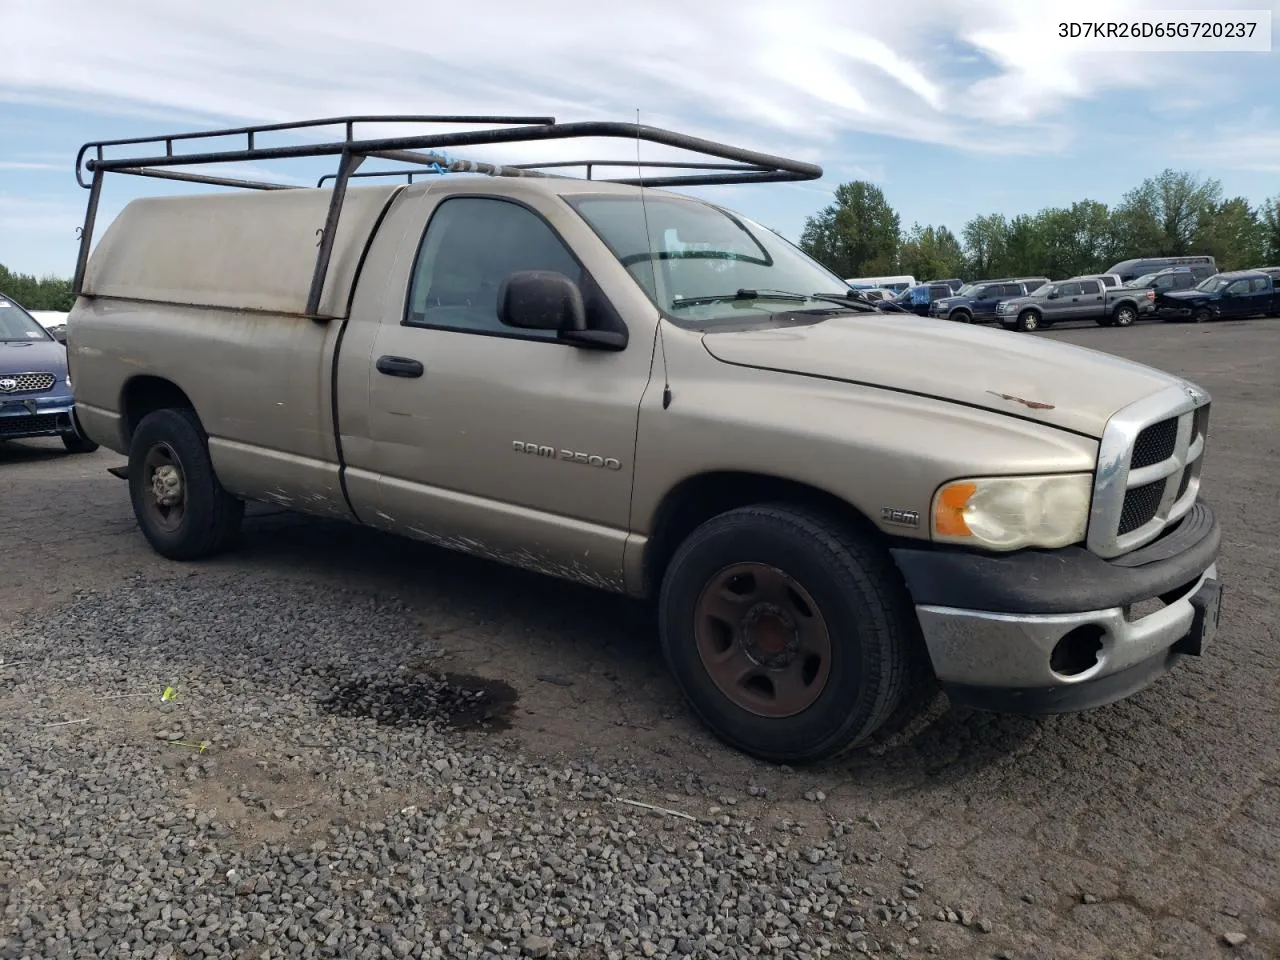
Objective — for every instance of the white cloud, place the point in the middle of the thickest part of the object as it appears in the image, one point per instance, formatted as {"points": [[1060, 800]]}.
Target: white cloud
{"points": [[795, 76], [30, 165]]}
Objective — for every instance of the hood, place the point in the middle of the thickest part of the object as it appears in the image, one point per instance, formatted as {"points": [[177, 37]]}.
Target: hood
{"points": [[1188, 296], [976, 366], [33, 356]]}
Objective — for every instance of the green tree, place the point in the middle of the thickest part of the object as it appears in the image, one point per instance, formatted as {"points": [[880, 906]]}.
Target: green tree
{"points": [[36, 293], [1269, 231], [1162, 216], [1233, 234], [857, 235], [930, 253], [985, 240]]}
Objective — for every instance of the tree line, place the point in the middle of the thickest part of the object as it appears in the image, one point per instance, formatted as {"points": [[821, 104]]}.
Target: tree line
{"points": [[36, 293], [1173, 214]]}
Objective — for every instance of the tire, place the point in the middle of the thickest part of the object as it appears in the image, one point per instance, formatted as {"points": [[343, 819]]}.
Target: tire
{"points": [[207, 518], [1124, 315], [1027, 321], [78, 444], [853, 595], [1201, 315], [960, 316]]}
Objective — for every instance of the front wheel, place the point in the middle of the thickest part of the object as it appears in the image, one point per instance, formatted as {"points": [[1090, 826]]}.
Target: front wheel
{"points": [[181, 507], [1124, 315], [792, 638], [1028, 320], [78, 444], [1201, 315], [961, 316]]}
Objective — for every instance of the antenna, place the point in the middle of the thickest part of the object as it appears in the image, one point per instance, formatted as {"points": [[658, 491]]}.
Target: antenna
{"points": [[653, 268]]}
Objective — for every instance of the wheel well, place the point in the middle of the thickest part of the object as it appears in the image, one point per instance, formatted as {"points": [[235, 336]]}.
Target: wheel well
{"points": [[144, 395], [698, 499]]}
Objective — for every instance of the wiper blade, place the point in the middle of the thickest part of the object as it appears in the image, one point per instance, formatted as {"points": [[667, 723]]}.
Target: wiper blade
{"points": [[742, 294]]}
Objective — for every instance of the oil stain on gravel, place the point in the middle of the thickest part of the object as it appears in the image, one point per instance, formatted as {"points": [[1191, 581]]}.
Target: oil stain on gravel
{"points": [[439, 700]]}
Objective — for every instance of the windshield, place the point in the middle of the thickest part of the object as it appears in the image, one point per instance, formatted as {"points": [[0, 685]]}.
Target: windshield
{"points": [[699, 262], [1213, 284], [968, 290], [1042, 291], [17, 324]]}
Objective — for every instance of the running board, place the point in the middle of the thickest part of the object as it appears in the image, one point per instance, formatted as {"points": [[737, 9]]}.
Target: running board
{"points": [[121, 472]]}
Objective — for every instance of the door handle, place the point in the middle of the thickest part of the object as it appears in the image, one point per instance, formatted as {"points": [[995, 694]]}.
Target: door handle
{"points": [[399, 367]]}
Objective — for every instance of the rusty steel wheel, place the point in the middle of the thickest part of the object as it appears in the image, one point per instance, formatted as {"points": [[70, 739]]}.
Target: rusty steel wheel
{"points": [[789, 631], [163, 479], [763, 640], [181, 507]]}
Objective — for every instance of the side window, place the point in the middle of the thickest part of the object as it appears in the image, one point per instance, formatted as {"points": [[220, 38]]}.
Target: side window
{"points": [[1014, 289], [1090, 286], [472, 245], [1069, 290], [1166, 281], [1184, 281], [1108, 281], [939, 291], [1260, 285], [988, 293], [1238, 286]]}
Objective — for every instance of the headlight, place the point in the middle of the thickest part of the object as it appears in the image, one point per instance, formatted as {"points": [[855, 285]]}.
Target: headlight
{"points": [[1010, 513]]}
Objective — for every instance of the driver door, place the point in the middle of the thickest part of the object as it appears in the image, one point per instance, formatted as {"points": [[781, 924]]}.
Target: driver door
{"points": [[502, 442]]}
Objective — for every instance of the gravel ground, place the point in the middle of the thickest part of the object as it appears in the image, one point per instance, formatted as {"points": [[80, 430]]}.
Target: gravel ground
{"points": [[376, 749], [274, 732]]}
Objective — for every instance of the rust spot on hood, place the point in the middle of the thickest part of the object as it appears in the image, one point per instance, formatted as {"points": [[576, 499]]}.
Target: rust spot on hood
{"points": [[1033, 404]]}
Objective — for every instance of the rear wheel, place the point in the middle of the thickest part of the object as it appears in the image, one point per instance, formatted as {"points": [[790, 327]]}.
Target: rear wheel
{"points": [[793, 638], [1124, 315], [181, 507], [1028, 320]]}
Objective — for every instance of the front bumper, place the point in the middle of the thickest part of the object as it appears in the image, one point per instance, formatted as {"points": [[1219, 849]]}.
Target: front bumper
{"points": [[49, 416], [1054, 631]]}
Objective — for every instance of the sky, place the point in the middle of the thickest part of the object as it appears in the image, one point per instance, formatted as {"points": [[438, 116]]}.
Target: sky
{"points": [[954, 108]]}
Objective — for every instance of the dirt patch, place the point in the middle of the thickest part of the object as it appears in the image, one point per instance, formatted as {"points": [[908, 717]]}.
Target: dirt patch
{"points": [[449, 701]]}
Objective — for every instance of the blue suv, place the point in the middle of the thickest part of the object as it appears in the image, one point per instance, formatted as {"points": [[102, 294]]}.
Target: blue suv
{"points": [[976, 302]]}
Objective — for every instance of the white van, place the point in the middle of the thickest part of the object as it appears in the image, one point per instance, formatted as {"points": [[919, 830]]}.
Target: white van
{"points": [[897, 284]]}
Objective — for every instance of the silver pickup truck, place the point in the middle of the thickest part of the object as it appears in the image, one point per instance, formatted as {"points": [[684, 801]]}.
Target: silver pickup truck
{"points": [[610, 382]]}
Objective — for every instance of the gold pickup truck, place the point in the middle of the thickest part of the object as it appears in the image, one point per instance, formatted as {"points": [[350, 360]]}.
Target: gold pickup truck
{"points": [[614, 383]]}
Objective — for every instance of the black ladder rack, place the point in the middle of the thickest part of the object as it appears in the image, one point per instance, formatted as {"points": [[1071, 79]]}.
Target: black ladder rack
{"points": [[734, 164]]}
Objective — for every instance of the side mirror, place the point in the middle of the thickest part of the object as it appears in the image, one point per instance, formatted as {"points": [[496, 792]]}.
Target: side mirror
{"points": [[541, 300], [546, 300], [59, 334], [1052, 296]]}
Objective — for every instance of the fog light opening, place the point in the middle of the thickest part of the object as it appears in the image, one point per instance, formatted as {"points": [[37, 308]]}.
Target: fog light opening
{"points": [[1077, 652]]}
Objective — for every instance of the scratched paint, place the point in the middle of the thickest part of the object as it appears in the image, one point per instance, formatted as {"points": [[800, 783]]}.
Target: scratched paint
{"points": [[525, 559]]}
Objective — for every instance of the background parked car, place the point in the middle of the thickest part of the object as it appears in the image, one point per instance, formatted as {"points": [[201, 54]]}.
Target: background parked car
{"points": [[1235, 296], [896, 284], [35, 388], [1074, 300], [976, 302], [955, 283], [1107, 279], [918, 298], [1201, 267]]}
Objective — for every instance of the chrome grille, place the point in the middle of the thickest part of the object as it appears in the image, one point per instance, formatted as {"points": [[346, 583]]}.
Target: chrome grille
{"points": [[26, 382], [1149, 463]]}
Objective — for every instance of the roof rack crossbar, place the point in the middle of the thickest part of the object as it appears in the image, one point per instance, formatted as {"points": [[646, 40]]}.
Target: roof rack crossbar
{"points": [[747, 166]]}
